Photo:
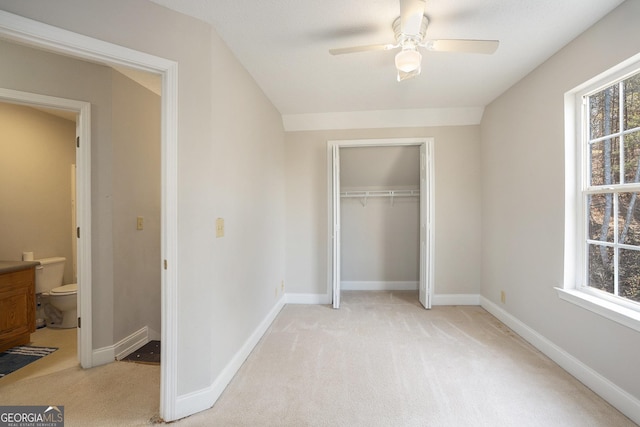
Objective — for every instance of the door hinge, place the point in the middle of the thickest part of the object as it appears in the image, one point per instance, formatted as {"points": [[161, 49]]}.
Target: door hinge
{"points": [[78, 141], [78, 232], [165, 264], [79, 322]]}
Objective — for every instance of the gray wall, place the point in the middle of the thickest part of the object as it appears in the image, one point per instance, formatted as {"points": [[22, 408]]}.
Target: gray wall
{"points": [[136, 192], [37, 150], [523, 201], [457, 206]]}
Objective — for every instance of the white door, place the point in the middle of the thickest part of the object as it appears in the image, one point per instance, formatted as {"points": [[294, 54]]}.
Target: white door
{"points": [[426, 223], [81, 183], [74, 224], [335, 232], [74, 246], [423, 293]]}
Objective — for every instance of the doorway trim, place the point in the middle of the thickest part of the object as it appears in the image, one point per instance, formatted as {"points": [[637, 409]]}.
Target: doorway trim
{"points": [[44, 36], [427, 211]]}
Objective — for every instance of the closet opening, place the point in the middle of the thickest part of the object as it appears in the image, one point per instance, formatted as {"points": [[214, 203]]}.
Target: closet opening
{"points": [[381, 216]]}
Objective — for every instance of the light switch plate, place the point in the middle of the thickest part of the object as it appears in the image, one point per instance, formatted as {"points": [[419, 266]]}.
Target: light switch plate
{"points": [[219, 227]]}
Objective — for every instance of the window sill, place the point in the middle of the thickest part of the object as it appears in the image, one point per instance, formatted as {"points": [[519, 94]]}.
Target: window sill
{"points": [[622, 315]]}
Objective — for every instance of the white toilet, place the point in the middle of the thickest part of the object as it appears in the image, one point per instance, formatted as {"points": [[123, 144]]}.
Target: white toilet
{"points": [[60, 301]]}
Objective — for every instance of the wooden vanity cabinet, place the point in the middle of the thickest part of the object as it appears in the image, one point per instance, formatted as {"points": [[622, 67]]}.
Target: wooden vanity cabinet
{"points": [[17, 307]]}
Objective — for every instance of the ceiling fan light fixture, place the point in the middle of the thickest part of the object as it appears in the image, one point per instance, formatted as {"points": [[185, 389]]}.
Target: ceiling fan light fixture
{"points": [[408, 60], [410, 30]]}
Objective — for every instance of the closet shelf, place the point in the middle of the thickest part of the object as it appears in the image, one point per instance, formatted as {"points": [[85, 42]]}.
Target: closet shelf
{"points": [[392, 194]]}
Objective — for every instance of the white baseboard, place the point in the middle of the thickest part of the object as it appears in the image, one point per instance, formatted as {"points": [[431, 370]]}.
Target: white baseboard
{"points": [[617, 397], [379, 286], [442, 299], [121, 349], [128, 345], [455, 299], [102, 356], [191, 403], [308, 298]]}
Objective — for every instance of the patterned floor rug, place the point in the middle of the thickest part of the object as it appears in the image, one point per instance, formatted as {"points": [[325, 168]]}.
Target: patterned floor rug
{"points": [[20, 356]]}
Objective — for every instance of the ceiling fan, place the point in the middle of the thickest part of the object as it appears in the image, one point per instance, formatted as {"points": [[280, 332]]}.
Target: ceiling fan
{"points": [[410, 29]]}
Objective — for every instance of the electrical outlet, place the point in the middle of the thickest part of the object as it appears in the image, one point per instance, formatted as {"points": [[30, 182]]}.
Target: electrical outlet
{"points": [[503, 297], [140, 223]]}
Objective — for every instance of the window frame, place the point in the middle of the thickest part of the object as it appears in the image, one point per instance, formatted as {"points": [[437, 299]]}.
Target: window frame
{"points": [[577, 186]]}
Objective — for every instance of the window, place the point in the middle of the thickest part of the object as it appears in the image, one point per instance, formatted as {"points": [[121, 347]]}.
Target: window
{"points": [[611, 144], [602, 206]]}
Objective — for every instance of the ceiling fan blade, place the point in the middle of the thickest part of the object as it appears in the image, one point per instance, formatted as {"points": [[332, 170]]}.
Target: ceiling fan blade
{"points": [[411, 13], [356, 49], [464, 46]]}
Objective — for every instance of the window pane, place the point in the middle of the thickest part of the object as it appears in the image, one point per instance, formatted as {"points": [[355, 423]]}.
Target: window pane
{"points": [[629, 270], [632, 102], [600, 208], [605, 162], [631, 156], [603, 112], [601, 267], [629, 218]]}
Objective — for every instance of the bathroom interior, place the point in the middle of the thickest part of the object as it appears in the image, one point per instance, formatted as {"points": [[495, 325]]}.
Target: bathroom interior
{"points": [[38, 213], [38, 216]]}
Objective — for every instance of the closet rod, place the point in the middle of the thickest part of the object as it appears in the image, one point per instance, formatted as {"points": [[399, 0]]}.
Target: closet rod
{"points": [[379, 193], [392, 194]]}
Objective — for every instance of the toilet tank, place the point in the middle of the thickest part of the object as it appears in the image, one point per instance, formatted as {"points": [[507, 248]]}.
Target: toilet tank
{"points": [[49, 273]]}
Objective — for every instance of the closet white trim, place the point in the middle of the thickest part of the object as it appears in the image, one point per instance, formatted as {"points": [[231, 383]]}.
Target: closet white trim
{"points": [[427, 212]]}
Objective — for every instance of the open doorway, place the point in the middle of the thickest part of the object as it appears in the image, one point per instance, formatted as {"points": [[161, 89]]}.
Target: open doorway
{"points": [[41, 149], [39, 157], [77, 115], [424, 193], [35, 34], [380, 218]]}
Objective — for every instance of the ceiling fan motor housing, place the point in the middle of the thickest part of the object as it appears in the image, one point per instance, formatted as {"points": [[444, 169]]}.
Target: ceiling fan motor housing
{"points": [[412, 39]]}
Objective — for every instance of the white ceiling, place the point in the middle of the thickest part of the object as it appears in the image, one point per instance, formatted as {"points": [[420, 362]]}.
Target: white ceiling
{"points": [[284, 45]]}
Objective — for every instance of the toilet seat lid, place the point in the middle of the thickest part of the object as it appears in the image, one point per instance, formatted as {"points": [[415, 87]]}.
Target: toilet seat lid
{"points": [[65, 289]]}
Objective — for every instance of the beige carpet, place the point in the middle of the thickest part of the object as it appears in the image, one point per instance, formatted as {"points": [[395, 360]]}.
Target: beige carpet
{"points": [[117, 394], [381, 360]]}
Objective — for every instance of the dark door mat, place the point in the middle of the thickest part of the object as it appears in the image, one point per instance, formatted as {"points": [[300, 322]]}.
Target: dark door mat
{"points": [[148, 354]]}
